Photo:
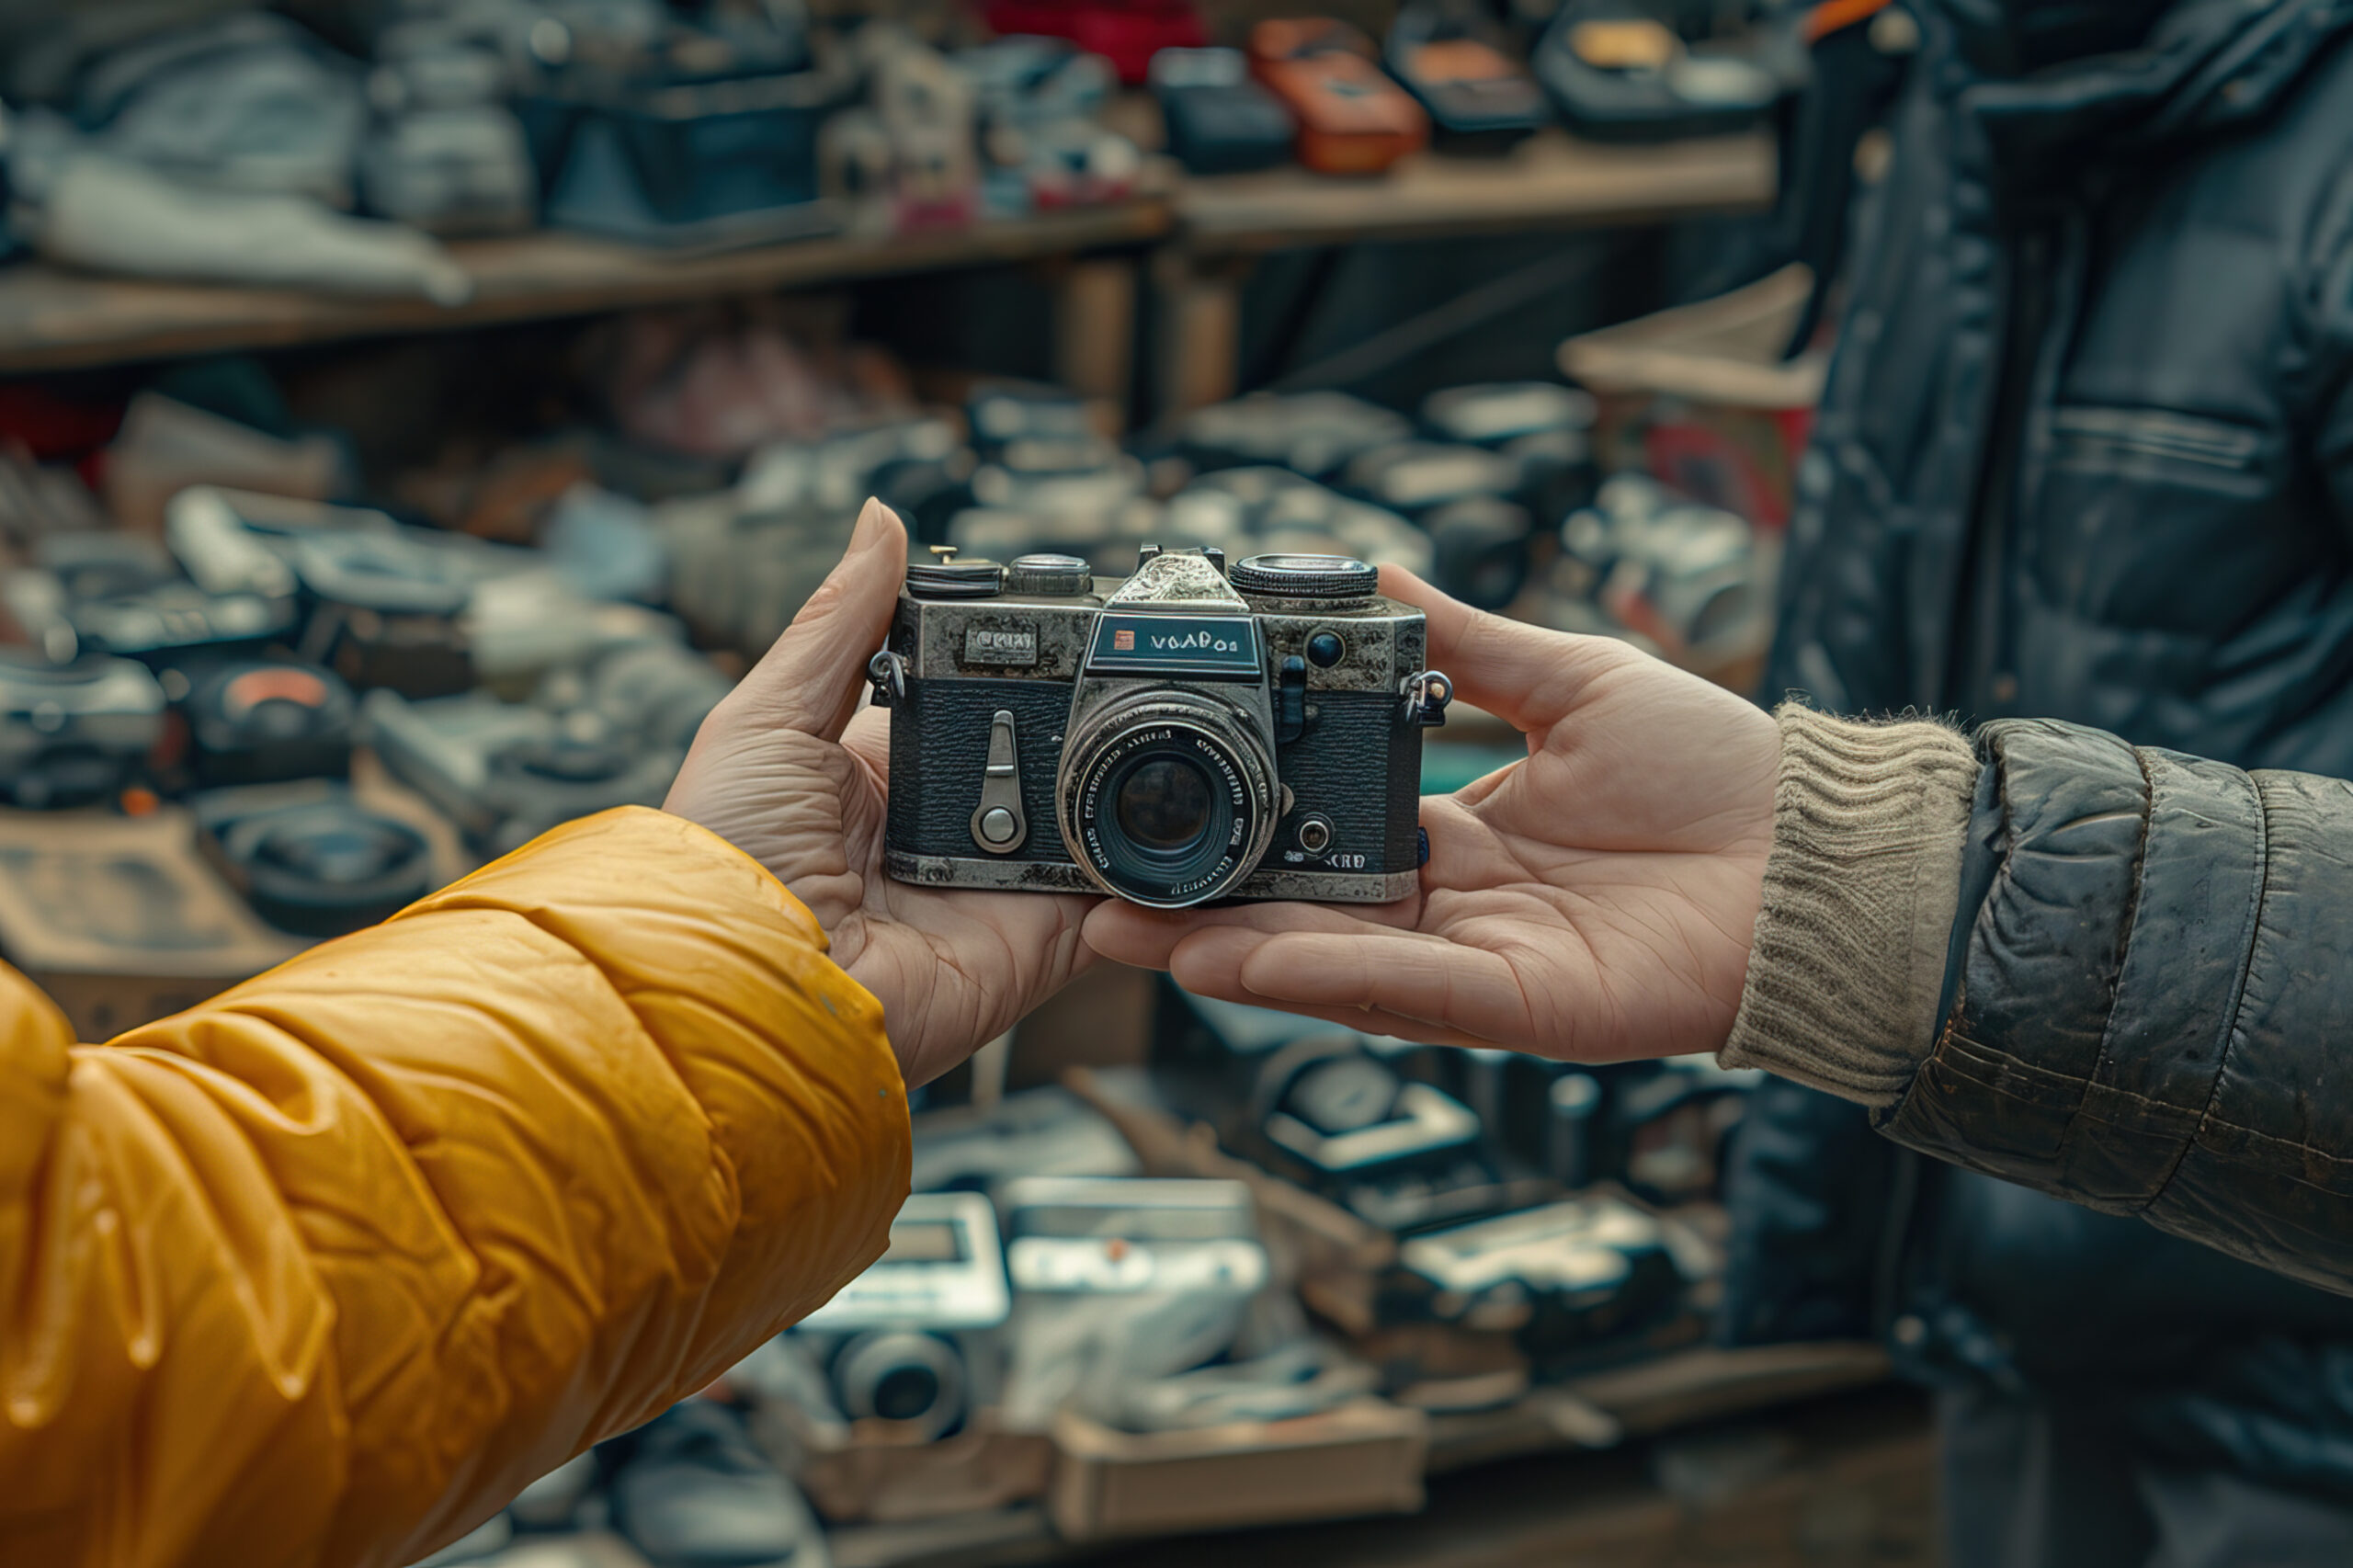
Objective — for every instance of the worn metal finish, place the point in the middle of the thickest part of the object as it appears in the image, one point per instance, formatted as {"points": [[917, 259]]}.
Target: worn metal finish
{"points": [[1357, 768], [1261, 886]]}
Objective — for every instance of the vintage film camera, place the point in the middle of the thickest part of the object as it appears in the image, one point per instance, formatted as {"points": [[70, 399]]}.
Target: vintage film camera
{"points": [[249, 719], [122, 594], [915, 1340], [75, 733], [506, 772], [1120, 1284], [1357, 1120], [1041, 1132], [1563, 1277], [1172, 739]]}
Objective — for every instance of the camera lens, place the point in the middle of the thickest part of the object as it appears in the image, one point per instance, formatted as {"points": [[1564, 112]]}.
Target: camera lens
{"points": [[1166, 798], [1165, 804], [905, 1393], [914, 1378]]}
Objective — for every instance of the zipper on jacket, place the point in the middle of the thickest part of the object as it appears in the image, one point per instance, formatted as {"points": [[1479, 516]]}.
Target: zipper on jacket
{"points": [[1975, 671]]}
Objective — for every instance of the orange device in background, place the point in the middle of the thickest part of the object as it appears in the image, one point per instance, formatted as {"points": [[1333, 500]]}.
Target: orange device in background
{"points": [[1353, 117]]}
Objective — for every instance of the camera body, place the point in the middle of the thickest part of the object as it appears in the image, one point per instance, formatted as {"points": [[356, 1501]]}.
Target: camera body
{"points": [[1120, 1284], [917, 1339], [1561, 1277], [75, 734], [1171, 739]]}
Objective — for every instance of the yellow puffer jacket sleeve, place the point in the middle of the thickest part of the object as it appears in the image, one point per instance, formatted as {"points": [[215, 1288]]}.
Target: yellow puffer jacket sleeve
{"points": [[323, 1271]]}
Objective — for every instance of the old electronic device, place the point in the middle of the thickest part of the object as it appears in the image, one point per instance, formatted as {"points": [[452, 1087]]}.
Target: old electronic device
{"points": [[1358, 1121], [914, 1341], [1041, 1132], [77, 732], [1543, 426], [1670, 1121], [1114, 1235], [122, 594], [250, 720], [1220, 120], [1171, 739], [505, 772], [1313, 433], [1353, 119], [1562, 1275], [1451, 55], [311, 860], [1120, 1284], [1625, 72]]}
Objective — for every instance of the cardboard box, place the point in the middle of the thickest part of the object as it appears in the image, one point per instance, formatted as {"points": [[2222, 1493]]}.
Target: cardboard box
{"points": [[1359, 1458], [120, 920]]}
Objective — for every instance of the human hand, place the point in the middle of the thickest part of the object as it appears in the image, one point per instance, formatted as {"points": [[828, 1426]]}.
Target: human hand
{"points": [[1592, 902], [783, 772]]}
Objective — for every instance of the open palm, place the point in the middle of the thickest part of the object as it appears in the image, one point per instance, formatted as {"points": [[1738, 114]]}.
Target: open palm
{"points": [[789, 772], [1593, 902]]}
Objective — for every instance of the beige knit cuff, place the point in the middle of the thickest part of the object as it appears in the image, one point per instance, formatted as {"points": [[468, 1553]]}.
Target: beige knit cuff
{"points": [[1848, 956]]}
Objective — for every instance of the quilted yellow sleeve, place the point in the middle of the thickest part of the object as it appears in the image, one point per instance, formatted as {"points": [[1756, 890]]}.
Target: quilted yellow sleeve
{"points": [[323, 1271]]}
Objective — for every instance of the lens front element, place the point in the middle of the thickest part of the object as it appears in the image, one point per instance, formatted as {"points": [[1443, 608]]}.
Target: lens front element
{"points": [[1167, 801], [1163, 804]]}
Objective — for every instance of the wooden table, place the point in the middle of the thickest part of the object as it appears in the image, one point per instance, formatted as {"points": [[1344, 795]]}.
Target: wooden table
{"points": [[1549, 181]]}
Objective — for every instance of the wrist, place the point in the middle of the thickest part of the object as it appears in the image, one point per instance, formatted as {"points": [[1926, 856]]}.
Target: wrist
{"points": [[1846, 958]]}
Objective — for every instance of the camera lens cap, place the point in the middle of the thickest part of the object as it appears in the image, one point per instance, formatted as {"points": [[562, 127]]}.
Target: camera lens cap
{"points": [[948, 579], [1049, 575], [1305, 577]]}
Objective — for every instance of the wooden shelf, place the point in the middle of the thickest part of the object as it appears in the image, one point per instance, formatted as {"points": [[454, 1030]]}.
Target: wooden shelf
{"points": [[52, 319], [1549, 180]]}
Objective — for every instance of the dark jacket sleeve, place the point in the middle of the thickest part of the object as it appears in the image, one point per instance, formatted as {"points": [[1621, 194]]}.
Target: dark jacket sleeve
{"points": [[2152, 995]]}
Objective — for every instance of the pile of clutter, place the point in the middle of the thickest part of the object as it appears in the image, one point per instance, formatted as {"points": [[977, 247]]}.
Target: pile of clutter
{"points": [[1463, 76], [249, 148], [1333, 1239]]}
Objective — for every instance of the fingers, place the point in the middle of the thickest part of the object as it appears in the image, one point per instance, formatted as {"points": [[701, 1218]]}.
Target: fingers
{"points": [[1361, 967], [812, 679], [1146, 938], [1523, 675], [1421, 988]]}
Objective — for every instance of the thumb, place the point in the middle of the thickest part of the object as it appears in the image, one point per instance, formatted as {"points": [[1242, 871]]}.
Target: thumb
{"points": [[1526, 676], [810, 680]]}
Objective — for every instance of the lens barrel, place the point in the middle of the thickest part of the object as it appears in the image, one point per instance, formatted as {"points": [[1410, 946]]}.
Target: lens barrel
{"points": [[1167, 800]]}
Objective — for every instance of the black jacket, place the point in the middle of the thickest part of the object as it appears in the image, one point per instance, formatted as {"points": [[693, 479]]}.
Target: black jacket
{"points": [[2085, 452], [2149, 987]]}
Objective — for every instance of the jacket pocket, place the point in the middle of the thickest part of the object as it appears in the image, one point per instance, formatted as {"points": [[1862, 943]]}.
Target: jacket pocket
{"points": [[2146, 520], [2119, 440]]}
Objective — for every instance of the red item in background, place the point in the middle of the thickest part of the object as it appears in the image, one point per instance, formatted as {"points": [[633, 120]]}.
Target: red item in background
{"points": [[1353, 117], [1128, 34], [53, 428]]}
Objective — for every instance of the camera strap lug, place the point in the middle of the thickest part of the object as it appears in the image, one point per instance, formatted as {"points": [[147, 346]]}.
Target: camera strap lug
{"points": [[998, 825], [1426, 694], [887, 672]]}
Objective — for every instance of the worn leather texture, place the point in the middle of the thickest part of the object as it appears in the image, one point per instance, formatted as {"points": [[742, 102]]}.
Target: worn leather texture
{"points": [[1357, 765]]}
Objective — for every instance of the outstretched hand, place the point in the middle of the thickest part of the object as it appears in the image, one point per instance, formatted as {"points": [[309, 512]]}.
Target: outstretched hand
{"points": [[1591, 903], [782, 771]]}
